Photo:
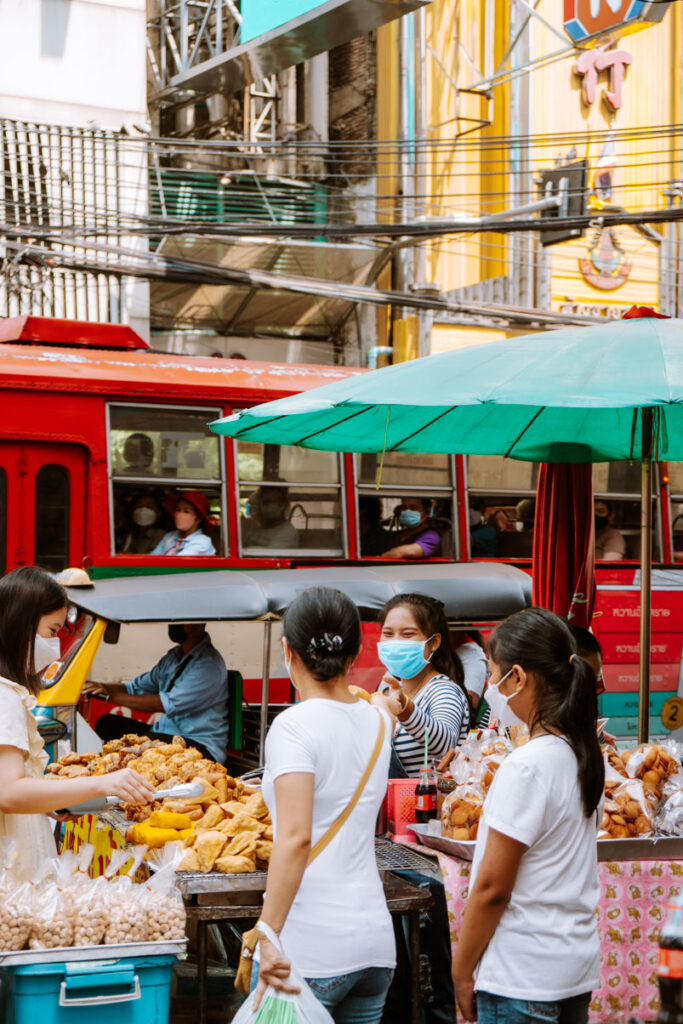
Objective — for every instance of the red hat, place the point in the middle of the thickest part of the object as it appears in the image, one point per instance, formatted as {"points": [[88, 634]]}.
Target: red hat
{"points": [[199, 501]]}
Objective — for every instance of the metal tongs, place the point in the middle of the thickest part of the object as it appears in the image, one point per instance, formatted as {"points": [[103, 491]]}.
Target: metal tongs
{"points": [[185, 791]]}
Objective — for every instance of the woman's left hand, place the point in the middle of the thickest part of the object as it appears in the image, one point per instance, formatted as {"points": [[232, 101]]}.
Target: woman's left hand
{"points": [[465, 998], [274, 970]]}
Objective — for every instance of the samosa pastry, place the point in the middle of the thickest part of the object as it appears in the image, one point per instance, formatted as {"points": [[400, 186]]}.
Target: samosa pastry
{"points": [[189, 862], [263, 850], [245, 841], [235, 865], [212, 817], [256, 806], [244, 823], [208, 847]]}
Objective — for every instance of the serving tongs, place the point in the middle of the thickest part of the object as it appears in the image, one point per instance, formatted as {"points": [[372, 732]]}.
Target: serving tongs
{"points": [[185, 791]]}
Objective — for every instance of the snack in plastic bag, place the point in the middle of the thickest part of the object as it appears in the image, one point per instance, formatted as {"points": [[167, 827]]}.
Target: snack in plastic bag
{"points": [[461, 812], [51, 923], [282, 1007], [628, 812], [126, 920], [669, 817], [15, 920], [653, 764], [163, 903]]}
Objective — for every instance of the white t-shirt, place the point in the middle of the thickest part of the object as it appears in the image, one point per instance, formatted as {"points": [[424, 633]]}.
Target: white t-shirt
{"points": [[339, 921], [475, 666], [546, 944]]}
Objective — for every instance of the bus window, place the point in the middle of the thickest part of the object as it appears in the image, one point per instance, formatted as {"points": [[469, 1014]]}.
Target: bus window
{"points": [[676, 488], [3, 521], [290, 500], [156, 454], [52, 518], [398, 488], [502, 496], [616, 488]]}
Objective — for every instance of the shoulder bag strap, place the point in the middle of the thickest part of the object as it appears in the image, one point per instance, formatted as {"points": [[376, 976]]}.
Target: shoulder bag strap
{"points": [[327, 838]]}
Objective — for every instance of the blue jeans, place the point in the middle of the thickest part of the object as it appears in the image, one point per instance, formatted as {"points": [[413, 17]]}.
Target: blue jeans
{"points": [[502, 1010], [356, 998]]}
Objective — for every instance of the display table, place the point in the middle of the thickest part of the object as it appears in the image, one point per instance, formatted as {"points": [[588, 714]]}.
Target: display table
{"points": [[632, 909]]}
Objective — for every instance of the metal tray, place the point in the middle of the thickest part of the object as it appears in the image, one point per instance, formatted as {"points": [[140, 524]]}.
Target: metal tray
{"points": [[107, 954], [192, 882], [647, 848]]}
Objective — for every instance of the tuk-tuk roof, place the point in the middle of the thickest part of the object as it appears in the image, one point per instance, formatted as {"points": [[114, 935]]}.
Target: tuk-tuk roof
{"points": [[472, 591]]}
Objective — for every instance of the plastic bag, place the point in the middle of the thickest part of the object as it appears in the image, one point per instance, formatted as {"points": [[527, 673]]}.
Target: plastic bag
{"points": [[88, 901], [628, 811], [669, 818], [15, 899], [126, 921], [162, 900], [461, 812], [51, 921], [282, 1007], [653, 764]]}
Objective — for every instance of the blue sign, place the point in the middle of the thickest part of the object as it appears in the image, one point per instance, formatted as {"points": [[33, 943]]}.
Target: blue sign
{"points": [[261, 16]]}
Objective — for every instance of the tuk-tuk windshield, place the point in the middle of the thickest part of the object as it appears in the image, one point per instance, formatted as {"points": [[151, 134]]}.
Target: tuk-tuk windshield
{"points": [[71, 638]]}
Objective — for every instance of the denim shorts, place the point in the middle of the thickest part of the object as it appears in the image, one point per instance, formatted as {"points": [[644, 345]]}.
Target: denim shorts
{"points": [[356, 998], [502, 1010]]}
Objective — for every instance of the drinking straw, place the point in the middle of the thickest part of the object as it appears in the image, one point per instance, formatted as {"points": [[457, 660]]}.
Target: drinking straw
{"points": [[426, 744]]}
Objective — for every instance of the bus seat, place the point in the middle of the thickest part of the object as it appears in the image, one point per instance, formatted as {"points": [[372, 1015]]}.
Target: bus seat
{"points": [[235, 685]]}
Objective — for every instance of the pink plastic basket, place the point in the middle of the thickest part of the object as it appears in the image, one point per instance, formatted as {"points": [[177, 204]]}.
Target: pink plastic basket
{"points": [[400, 805]]}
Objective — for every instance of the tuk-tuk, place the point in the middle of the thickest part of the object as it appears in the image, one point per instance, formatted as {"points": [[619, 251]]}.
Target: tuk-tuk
{"points": [[474, 595]]}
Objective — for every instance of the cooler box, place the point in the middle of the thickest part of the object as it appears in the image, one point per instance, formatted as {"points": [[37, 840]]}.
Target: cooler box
{"points": [[400, 807], [134, 990]]}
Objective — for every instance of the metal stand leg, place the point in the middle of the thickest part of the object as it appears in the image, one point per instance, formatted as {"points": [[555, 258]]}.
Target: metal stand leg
{"points": [[201, 969], [414, 944]]}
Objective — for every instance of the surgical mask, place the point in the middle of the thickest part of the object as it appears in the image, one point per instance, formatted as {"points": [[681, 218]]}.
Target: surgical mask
{"points": [[601, 522], [144, 516], [403, 658], [409, 517], [176, 633], [47, 649], [247, 510], [499, 704]]}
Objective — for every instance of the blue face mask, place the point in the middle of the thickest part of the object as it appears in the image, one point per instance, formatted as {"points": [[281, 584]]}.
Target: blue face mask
{"points": [[403, 658], [409, 517]]}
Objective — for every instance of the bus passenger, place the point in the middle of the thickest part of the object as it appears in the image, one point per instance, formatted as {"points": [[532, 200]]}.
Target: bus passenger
{"points": [[610, 544], [271, 529], [374, 539], [418, 537], [144, 533], [424, 684], [468, 646], [138, 451], [189, 686], [191, 511]]}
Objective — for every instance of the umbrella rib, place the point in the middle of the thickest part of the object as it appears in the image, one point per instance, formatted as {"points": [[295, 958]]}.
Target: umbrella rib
{"points": [[425, 426], [332, 426], [520, 436], [255, 426]]}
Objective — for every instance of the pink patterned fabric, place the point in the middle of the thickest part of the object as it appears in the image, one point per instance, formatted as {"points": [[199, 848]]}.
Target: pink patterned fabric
{"points": [[632, 909]]}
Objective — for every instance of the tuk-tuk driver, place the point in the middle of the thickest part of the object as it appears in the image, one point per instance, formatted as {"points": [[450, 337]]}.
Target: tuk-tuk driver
{"points": [[189, 685]]}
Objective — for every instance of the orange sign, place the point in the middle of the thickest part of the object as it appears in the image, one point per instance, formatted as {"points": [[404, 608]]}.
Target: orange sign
{"points": [[585, 20]]}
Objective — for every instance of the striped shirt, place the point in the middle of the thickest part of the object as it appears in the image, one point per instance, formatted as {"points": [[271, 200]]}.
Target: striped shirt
{"points": [[442, 706]]}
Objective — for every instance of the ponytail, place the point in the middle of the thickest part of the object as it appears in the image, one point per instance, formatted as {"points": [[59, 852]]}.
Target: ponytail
{"points": [[566, 688]]}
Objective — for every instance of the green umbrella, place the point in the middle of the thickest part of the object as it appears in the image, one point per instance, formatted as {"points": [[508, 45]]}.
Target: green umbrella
{"points": [[591, 394]]}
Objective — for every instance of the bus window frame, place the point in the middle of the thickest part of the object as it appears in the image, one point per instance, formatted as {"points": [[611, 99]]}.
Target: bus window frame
{"points": [[364, 490], [292, 553], [216, 412]]}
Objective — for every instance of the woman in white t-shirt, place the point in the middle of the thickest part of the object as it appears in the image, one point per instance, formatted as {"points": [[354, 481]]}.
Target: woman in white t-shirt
{"points": [[529, 941], [32, 613], [331, 915]]}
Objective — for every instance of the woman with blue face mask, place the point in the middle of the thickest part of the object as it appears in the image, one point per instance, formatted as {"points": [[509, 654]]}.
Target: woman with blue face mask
{"points": [[418, 537], [529, 942], [424, 685]]}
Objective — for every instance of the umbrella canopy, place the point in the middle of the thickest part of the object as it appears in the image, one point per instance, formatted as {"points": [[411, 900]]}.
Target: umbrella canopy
{"points": [[582, 387], [564, 541]]}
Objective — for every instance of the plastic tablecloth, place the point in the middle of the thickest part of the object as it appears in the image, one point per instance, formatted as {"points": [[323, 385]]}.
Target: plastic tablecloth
{"points": [[632, 909]]}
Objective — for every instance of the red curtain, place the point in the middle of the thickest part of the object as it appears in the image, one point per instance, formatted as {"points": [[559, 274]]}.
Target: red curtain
{"points": [[564, 541]]}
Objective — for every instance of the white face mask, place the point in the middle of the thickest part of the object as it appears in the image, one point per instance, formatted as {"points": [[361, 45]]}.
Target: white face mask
{"points": [[144, 516], [499, 704], [47, 650]]}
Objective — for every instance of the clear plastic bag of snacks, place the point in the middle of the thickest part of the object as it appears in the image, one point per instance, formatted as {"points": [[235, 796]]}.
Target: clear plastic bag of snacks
{"points": [[669, 817], [628, 812], [126, 921], [461, 812]]}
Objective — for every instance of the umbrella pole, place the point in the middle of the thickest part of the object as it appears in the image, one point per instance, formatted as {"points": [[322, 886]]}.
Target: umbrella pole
{"points": [[645, 577], [265, 691]]}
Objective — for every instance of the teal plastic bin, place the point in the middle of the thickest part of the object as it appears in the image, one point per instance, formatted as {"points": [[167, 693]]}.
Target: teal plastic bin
{"points": [[135, 990]]}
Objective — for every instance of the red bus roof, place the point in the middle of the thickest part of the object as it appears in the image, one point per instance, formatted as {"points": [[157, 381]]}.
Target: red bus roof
{"points": [[157, 375], [45, 330]]}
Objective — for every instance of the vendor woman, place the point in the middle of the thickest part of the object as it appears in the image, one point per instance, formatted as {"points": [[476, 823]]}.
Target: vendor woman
{"points": [[33, 606], [424, 685]]}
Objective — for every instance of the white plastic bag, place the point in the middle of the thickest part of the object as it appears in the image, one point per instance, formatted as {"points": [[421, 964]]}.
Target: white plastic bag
{"points": [[283, 1007]]}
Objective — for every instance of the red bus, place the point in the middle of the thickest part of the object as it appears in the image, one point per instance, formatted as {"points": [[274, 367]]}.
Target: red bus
{"points": [[95, 425]]}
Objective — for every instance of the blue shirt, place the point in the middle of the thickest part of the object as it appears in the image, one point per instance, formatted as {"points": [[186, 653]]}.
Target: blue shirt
{"points": [[196, 544], [193, 689]]}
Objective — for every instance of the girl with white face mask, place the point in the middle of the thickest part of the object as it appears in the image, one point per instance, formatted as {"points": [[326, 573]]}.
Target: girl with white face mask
{"points": [[145, 529], [32, 612], [529, 942]]}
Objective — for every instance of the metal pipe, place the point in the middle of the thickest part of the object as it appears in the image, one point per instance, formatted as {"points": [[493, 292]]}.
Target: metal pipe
{"points": [[265, 689], [645, 575]]}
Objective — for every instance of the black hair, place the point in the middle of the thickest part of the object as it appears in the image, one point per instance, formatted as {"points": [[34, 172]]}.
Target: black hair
{"points": [[542, 643], [371, 507], [323, 627], [586, 642], [431, 618], [26, 595]]}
